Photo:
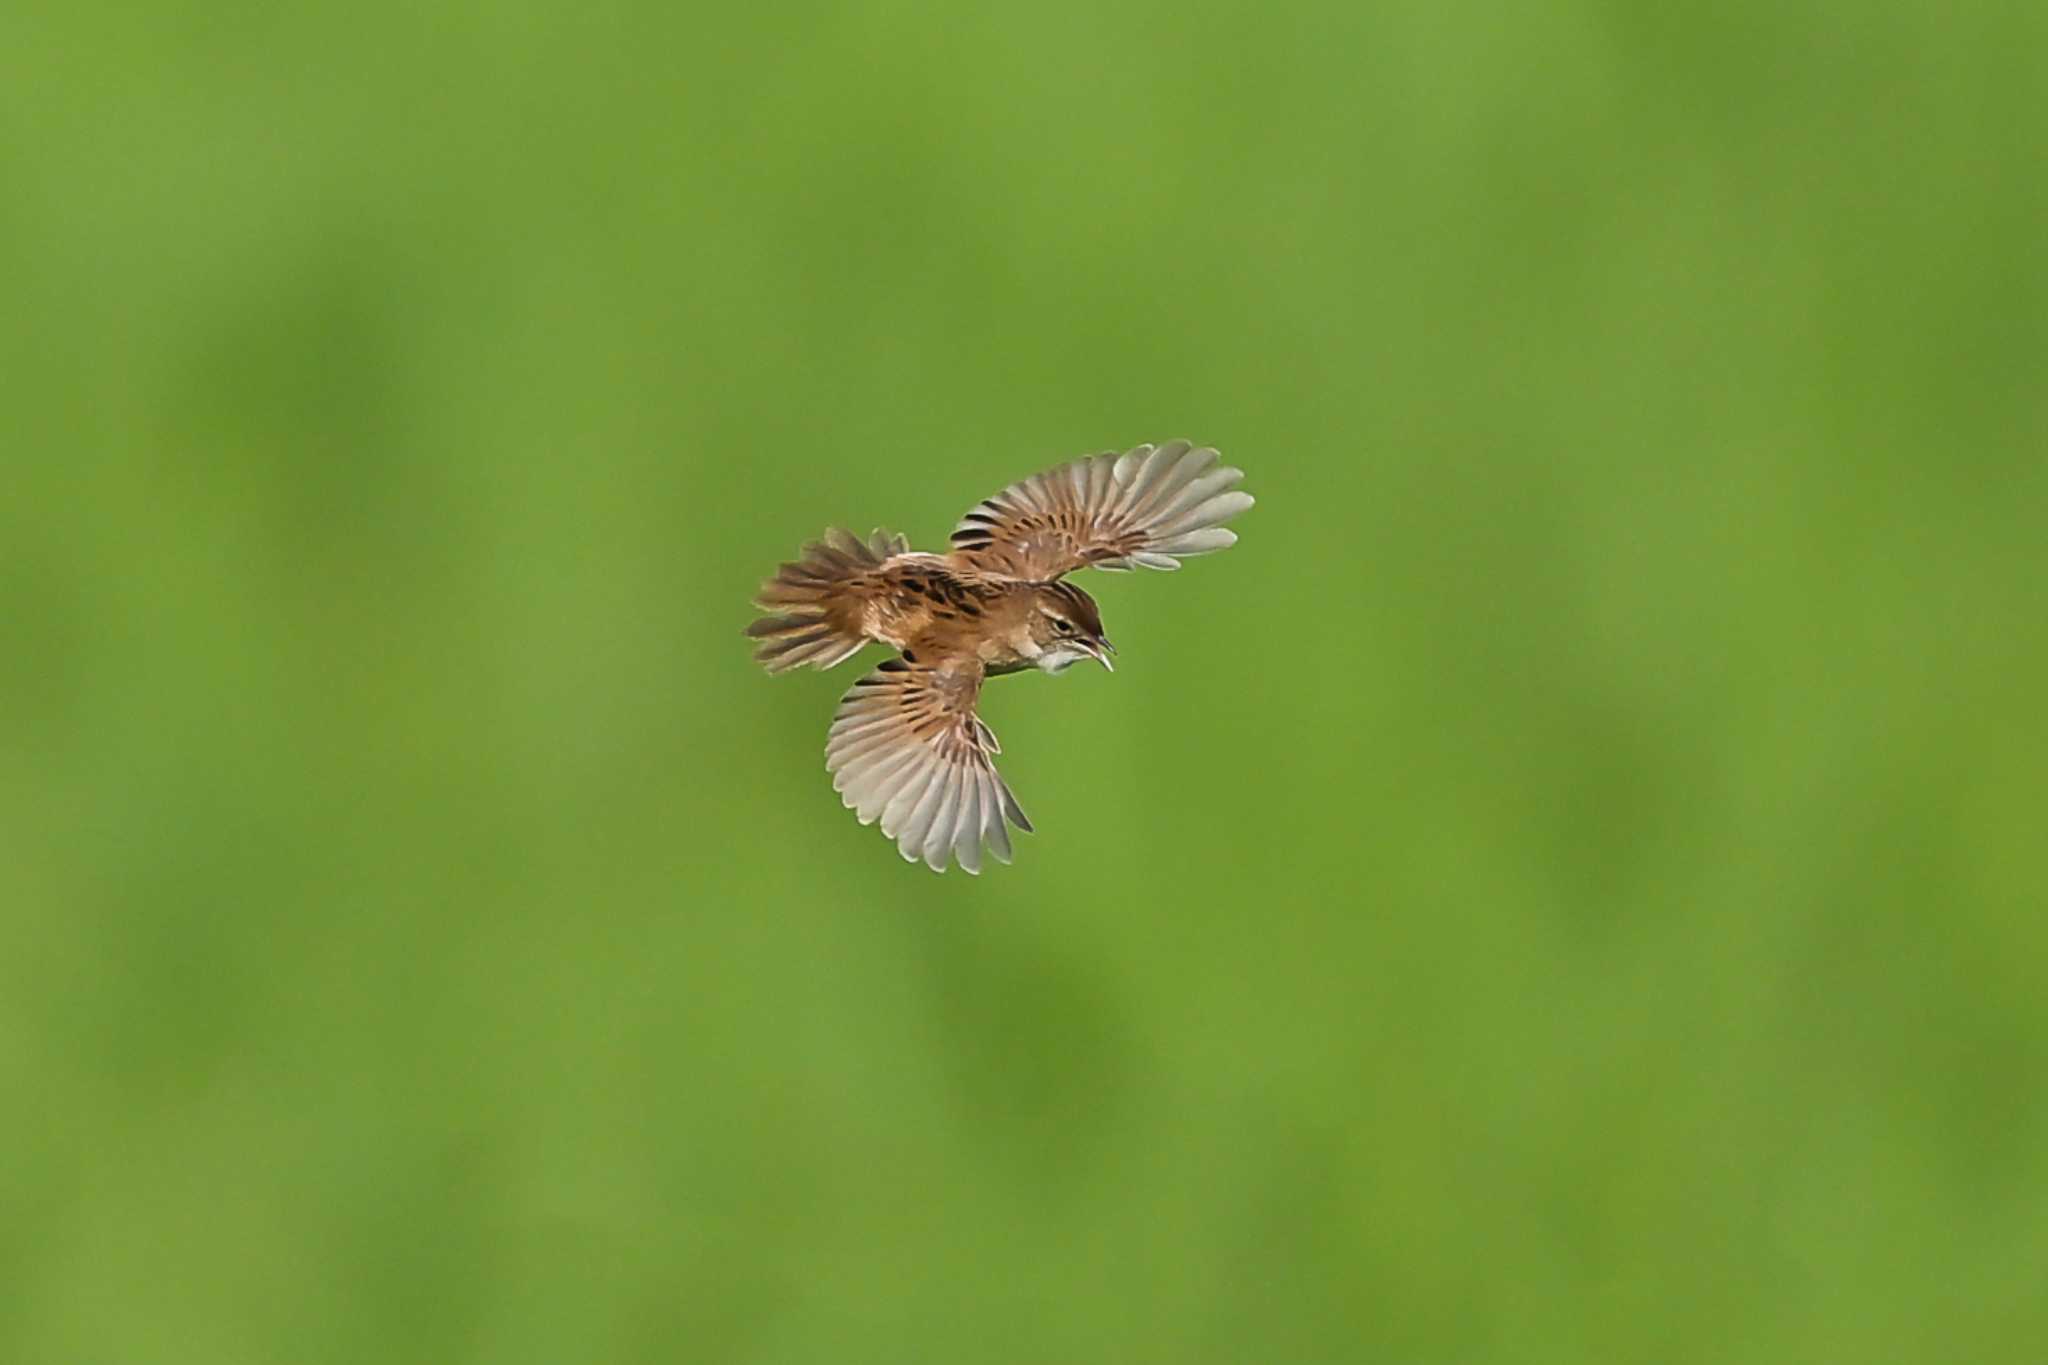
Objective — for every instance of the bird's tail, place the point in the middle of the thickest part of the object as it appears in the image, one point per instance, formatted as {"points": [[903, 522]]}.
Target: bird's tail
{"points": [[818, 600]]}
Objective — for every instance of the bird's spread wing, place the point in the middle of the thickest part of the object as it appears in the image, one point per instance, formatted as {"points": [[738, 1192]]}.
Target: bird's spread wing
{"points": [[1147, 507], [906, 748]]}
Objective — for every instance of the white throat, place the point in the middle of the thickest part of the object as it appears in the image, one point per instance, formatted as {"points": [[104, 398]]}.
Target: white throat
{"points": [[1059, 657]]}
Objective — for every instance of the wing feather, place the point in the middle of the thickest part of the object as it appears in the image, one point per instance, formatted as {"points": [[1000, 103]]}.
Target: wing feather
{"points": [[967, 826], [993, 827], [938, 840], [906, 748], [910, 841], [1148, 508], [896, 815]]}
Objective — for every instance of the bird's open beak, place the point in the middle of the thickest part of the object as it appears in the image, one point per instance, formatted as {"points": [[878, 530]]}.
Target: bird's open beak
{"points": [[1100, 650]]}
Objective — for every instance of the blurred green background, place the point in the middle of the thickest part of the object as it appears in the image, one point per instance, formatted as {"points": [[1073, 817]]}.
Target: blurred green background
{"points": [[1567, 887]]}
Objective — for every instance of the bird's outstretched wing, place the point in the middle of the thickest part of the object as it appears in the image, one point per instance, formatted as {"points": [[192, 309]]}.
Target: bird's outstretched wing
{"points": [[1148, 507], [906, 748]]}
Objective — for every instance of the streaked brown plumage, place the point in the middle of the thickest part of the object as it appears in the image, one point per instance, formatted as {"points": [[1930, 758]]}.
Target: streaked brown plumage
{"points": [[906, 746]]}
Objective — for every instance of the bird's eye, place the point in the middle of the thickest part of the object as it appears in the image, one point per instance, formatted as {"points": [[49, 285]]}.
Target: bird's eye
{"points": [[1063, 625]]}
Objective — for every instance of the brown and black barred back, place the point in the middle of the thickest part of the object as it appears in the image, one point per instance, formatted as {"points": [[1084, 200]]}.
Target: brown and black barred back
{"points": [[928, 583], [821, 600]]}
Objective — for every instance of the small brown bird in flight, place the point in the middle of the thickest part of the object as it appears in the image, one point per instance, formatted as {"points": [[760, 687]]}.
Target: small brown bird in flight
{"points": [[906, 746]]}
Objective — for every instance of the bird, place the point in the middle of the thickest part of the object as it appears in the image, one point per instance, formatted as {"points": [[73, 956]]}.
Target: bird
{"points": [[907, 745]]}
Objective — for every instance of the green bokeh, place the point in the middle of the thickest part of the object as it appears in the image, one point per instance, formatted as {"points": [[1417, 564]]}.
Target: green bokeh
{"points": [[1567, 887]]}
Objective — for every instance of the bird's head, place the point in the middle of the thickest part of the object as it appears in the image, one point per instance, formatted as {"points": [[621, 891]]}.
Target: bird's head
{"points": [[1067, 627]]}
